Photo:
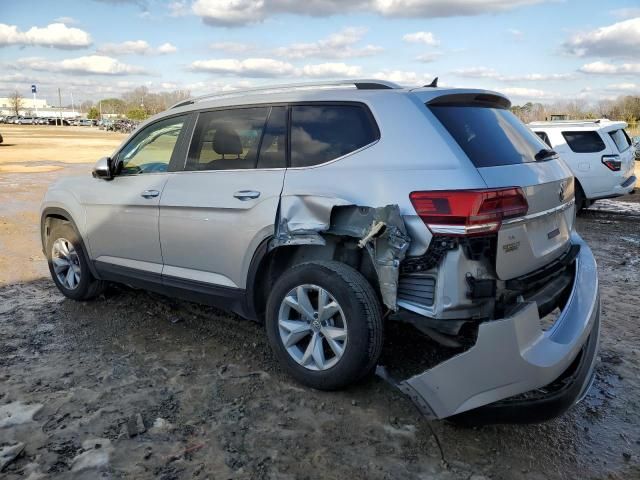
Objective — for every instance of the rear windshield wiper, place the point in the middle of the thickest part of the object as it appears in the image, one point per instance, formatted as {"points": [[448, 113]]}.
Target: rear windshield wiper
{"points": [[544, 154]]}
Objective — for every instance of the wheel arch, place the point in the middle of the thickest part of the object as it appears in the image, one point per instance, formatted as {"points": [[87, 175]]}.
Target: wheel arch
{"points": [[53, 214], [268, 264]]}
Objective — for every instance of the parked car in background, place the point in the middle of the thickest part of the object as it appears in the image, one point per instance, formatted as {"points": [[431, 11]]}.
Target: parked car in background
{"points": [[26, 121], [84, 122], [636, 145], [598, 152], [317, 210]]}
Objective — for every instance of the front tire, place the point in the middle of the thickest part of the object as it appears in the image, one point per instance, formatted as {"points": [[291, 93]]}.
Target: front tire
{"points": [[324, 324], [68, 264]]}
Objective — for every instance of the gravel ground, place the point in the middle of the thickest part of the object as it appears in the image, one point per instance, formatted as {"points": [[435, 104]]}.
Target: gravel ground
{"points": [[134, 385]]}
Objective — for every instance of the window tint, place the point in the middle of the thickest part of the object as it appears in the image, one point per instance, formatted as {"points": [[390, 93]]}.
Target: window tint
{"points": [[273, 147], [150, 150], [227, 139], [584, 142], [320, 133], [621, 139], [544, 137], [489, 136]]}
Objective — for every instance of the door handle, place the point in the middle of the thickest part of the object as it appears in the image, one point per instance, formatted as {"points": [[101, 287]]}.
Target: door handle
{"points": [[245, 195], [150, 193]]}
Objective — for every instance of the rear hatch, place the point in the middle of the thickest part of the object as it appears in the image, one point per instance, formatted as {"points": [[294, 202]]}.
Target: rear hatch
{"points": [[506, 153], [624, 152]]}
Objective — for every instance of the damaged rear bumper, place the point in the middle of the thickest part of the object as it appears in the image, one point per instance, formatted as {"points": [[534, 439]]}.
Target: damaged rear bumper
{"points": [[514, 356]]}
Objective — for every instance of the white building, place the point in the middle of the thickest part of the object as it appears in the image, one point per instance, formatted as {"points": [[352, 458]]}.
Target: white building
{"points": [[34, 108]]}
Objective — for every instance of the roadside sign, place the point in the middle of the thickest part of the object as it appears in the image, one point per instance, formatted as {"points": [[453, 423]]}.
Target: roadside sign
{"points": [[34, 89]]}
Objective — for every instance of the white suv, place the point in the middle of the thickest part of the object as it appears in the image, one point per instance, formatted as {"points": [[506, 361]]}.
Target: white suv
{"points": [[598, 152], [328, 210]]}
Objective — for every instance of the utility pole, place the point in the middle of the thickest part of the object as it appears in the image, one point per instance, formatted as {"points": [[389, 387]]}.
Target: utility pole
{"points": [[60, 105], [34, 90], [73, 109]]}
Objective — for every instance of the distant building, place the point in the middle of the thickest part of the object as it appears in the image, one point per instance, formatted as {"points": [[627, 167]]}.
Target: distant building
{"points": [[35, 108]]}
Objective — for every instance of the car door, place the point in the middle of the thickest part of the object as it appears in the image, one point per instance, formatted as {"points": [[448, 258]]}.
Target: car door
{"points": [[122, 213], [215, 213]]}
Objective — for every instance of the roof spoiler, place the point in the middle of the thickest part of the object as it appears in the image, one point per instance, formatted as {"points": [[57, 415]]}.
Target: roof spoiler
{"points": [[487, 100]]}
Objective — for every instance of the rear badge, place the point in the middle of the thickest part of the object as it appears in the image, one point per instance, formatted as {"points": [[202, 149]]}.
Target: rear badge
{"points": [[510, 247], [553, 233]]}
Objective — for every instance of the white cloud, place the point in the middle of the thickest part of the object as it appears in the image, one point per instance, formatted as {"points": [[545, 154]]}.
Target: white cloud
{"points": [[91, 65], [56, 35], [330, 70], [484, 72], [135, 47], [445, 8], [621, 39], [476, 72], [630, 12], [269, 68], [250, 67], [336, 45], [230, 12], [603, 68], [178, 8], [231, 47], [166, 48], [404, 77], [515, 33], [428, 57], [66, 20], [625, 87], [426, 38], [243, 12], [526, 93]]}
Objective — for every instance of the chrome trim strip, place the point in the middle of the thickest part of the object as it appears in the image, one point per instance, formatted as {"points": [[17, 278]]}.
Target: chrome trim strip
{"points": [[551, 211]]}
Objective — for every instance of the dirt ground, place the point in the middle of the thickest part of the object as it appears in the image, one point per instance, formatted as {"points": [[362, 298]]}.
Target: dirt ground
{"points": [[134, 385]]}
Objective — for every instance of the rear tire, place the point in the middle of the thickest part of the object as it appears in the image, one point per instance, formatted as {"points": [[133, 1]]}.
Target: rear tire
{"points": [[324, 324], [68, 264], [581, 199]]}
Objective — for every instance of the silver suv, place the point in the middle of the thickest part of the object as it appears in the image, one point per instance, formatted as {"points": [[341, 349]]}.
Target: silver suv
{"points": [[326, 211]]}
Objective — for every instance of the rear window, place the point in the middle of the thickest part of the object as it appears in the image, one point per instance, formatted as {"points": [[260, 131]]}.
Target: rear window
{"points": [[489, 136], [544, 137], [320, 133], [584, 142], [621, 139]]}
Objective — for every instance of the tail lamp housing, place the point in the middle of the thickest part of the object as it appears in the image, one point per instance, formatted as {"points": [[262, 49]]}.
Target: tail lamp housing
{"points": [[468, 212], [612, 162]]}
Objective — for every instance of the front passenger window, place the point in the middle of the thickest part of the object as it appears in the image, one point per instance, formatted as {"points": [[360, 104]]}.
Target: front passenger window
{"points": [[150, 150]]}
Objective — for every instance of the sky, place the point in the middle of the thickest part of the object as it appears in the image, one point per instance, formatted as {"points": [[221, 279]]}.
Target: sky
{"points": [[531, 50]]}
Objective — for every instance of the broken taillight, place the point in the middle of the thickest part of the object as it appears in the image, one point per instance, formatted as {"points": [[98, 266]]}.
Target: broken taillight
{"points": [[468, 212]]}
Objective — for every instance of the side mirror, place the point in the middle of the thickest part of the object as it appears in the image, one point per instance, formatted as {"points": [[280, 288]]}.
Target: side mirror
{"points": [[102, 169]]}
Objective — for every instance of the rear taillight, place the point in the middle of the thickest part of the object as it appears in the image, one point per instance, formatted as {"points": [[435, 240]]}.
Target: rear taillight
{"points": [[468, 212], [612, 162]]}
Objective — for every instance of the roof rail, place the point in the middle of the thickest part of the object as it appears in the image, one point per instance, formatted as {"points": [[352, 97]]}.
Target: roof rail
{"points": [[360, 84]]}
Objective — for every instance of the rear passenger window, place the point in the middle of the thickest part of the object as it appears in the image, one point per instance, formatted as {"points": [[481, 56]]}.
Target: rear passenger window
{"points": [[544, 137], [621, 139], [320, 133], [584, 142], [227, 139]]}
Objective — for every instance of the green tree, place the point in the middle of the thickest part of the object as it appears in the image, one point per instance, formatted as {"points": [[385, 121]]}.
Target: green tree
{"points": [[93, 113], [136, 114]]}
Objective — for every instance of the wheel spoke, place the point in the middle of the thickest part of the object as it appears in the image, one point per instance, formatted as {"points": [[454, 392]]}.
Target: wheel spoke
{"points": [[333, 336], [59, 264], [304, 302], [70, 278], [297, 331], [64, 248], [318, 352], [308, 353], [329, 311]]}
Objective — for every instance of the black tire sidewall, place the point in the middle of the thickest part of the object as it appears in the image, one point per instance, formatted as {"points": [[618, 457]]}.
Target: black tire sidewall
{"points": [[356, 358], [66, 231]]}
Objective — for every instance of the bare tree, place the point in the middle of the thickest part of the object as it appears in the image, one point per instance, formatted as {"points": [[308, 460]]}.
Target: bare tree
{"points": [[16, 102]]}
